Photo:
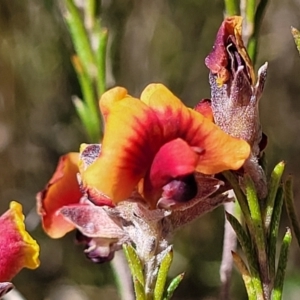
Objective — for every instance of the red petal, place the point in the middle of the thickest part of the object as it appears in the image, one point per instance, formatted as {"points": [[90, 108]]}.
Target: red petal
{"points": [[17, 248], [173, 160], [62, 190]]}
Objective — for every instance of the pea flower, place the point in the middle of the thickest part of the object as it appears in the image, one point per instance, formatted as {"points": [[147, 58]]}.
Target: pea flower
{"points": [[151, 142], [153, 173], [235, 94], [18, 249], [61, 190]]}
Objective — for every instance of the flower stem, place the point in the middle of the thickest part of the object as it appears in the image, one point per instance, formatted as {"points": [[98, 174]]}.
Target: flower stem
{"points": [[231, 7]]}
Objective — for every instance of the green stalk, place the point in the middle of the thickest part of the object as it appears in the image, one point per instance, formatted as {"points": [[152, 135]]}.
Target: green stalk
{"points": [[231, 7], [253, 40], [90, 10], [89, 97], [80, 37], [101, 61]]}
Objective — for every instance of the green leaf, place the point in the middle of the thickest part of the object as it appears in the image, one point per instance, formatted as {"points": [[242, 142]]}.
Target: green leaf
{"points": [[135, 263], [248, 250], [274, 226], [90, 99], [241, 198], [273, 186], [247, 278], [80, 37], [279, 280], [257, 231], [296, 35], [163, 274], [290, 207], [255, 213], [84, 115], [138, 289], [173, 286]]}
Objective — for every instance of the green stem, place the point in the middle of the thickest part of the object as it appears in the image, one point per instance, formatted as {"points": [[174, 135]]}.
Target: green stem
{"points": [[80, 37], [90, 10], [231, 7], [253, 40], [101, 62]]}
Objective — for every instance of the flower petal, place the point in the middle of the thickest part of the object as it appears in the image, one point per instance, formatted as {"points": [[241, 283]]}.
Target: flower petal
{"points": [[17, 248], [204, 108], [136, 130], [217, 61], [62, 190], [218, 150], [174, 160], [5, 287]]}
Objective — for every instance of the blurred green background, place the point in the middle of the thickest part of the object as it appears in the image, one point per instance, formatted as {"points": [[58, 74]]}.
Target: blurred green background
{"points": [[150, 41]]}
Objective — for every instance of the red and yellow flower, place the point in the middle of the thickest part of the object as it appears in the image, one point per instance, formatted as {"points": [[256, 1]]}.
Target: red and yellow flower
{"points": [[153, 140], [152, 146], [18, 249], [62, 190]]}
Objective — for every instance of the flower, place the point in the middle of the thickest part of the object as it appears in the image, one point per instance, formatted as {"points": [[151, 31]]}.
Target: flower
{"points": [[235, 93], [62, 190], [152, 141], [156, 153], [18, 249]]}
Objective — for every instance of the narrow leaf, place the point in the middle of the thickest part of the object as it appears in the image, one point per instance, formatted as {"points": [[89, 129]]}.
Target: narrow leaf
{"points": [[84, 115], [257, 235], [248, 250], [79, 36], [290, 207], [255, 214], [89, 98], [274, 226], [173, 286], [163, 274], [279, 280], [135, 264], [273, 186], [230, 177], [138, 289], [252, 295]]}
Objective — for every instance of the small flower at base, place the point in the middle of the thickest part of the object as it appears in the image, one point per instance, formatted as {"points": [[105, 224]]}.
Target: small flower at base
{"points": [[18, 249]]}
